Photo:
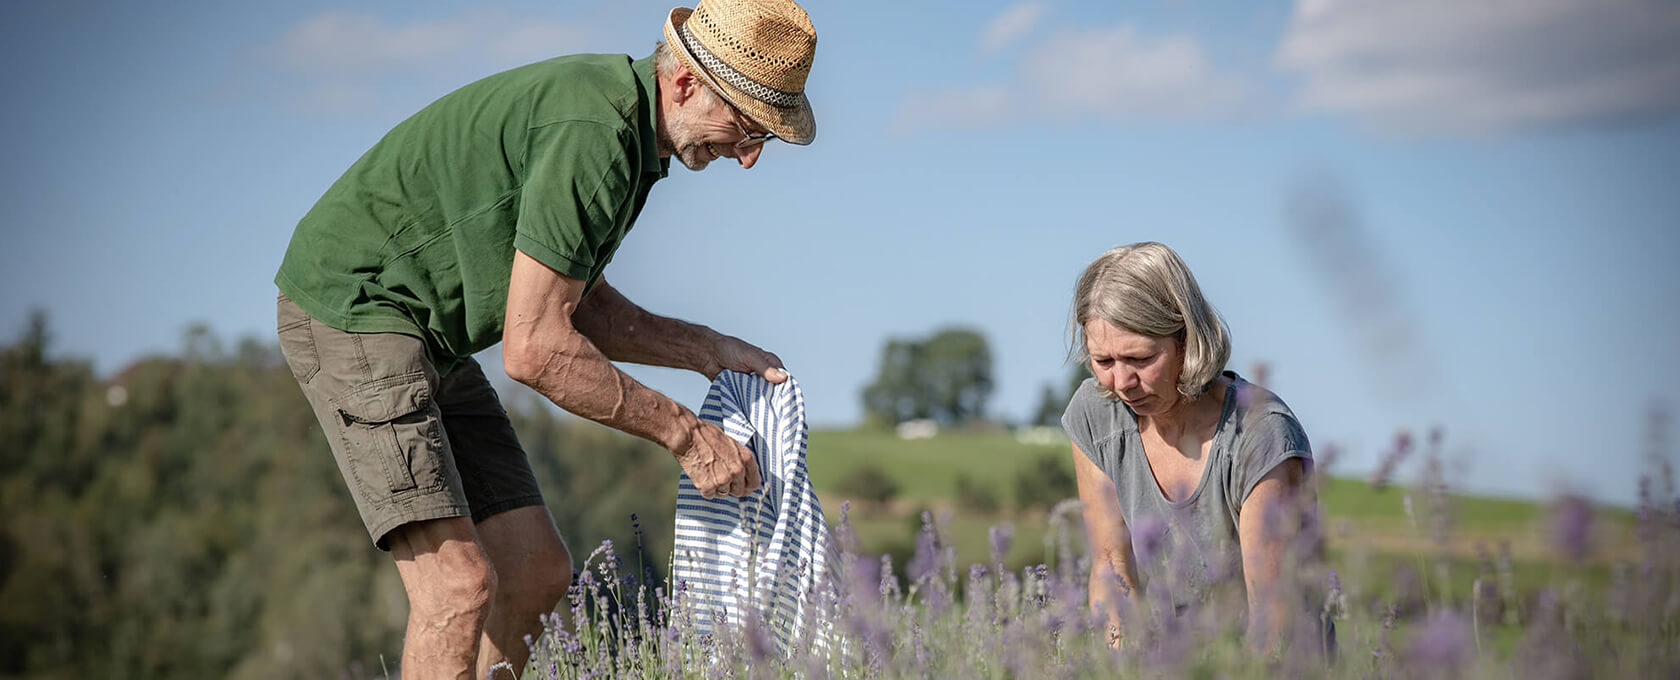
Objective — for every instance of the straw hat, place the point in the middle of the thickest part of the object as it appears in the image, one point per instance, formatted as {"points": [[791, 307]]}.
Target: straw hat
{"points": [[756, 53]]}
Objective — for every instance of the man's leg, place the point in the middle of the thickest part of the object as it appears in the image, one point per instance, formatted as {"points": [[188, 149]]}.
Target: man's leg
{"points": [[372, 394], [533, 570], [530, 560], [450, 586]]}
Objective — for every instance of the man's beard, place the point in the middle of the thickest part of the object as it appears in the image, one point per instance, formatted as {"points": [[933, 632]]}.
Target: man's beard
{"points": [[685, 128]]}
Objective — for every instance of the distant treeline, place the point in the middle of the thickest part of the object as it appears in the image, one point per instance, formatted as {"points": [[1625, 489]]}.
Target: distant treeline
{"points": [[184, 518]]}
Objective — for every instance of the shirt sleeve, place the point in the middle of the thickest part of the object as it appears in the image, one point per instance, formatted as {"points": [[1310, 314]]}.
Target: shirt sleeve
{"points": [[1079, 426], [577, 174], [1265, 444]]}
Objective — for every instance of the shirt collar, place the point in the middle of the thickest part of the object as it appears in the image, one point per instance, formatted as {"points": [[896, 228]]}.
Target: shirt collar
{"points": [[648, 124]]}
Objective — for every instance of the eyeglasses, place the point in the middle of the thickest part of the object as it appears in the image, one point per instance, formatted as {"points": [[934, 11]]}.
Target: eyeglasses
{"points": [[748, 139]]}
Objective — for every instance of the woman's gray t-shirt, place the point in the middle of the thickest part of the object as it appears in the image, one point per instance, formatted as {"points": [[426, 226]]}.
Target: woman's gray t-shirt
{"points": [[1187, 545]]}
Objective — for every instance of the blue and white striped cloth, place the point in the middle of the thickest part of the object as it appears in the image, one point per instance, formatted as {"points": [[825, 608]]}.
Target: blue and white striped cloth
{"points": [[770, 549]]}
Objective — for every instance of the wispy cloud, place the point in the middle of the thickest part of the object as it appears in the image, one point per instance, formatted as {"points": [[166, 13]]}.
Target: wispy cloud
{"points": [[1112, 73], [1011, 25], [1448, 66], [346, 56]]}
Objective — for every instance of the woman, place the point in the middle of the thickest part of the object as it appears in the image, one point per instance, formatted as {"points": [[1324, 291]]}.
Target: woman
{"points": [[1189, 474]]}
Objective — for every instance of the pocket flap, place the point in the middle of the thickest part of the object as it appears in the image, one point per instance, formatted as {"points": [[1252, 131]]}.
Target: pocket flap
{"points": [[387, 399]]}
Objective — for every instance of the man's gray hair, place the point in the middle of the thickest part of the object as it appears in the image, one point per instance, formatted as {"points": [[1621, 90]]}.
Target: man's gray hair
{"points": [[664, 60], [665, 63], [1146, 289]]}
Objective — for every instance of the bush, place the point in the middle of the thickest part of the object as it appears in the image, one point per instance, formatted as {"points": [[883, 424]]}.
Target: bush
{"points": [[868, 484], [1044, 481], [976, 497]]}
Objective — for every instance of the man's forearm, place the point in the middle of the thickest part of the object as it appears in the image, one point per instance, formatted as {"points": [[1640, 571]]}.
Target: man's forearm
{"points": [[623, 331], [574, 374]]}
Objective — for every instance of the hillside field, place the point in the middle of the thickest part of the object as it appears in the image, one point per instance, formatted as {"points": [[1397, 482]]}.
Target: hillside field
{"points": [[1368, 532]]}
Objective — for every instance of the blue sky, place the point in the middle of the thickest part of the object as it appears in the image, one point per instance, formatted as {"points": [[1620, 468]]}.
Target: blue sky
{"points": [[1498, 258]]}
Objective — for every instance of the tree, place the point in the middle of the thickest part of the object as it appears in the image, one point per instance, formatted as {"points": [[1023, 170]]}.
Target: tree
{"points": [[198, 526], [1051, 403], [896, 396], [946, 377], [957, 370]]}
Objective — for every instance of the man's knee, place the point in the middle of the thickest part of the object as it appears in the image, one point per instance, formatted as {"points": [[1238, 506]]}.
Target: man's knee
{"points": [[448, 578], [540, 581], [469, 588], [532, 560]]}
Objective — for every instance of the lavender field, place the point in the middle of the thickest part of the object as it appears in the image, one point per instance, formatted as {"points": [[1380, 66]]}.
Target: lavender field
{"points": [[1415, 581]]}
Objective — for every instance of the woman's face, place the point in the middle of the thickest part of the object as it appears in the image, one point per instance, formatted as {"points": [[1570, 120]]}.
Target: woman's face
{"points": [[1141, 369]]}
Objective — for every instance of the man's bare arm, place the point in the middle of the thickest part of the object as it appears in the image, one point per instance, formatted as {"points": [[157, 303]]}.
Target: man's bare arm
{"points": [[541, 348], [625, 332]]}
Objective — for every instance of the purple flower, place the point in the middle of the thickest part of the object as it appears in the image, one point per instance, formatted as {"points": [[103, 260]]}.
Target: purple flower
{"points": [[1000, 535], [873, 633], [1149, 535], [861, 576], [925, 563], [816, 666], [759, 643], [1442, 646], [889, 582], [1572, 527], [1391, 460]]}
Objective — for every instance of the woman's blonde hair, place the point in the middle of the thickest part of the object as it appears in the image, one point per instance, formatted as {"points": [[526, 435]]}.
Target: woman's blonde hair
{"points": [[1145, 288]]}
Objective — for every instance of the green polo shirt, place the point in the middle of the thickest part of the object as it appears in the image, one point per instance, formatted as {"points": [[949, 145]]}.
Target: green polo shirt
{"points": [[554, 159]]}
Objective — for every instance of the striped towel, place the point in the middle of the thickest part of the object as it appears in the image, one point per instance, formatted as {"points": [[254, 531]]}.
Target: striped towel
{"points": [[770, 549]]}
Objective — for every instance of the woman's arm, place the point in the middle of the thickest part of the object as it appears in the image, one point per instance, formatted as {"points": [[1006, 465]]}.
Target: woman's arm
{"points": [[1113, 575], [1271, 518]]}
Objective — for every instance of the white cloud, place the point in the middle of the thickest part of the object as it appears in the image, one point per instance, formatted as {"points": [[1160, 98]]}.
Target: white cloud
{"points": [[1455, 66], [1114, 73], [346, 57], [1015, 22]]}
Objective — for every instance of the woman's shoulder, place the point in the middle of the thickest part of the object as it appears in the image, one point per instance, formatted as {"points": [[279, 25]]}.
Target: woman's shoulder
{"points": [[1262, 415], [1254, 403]]}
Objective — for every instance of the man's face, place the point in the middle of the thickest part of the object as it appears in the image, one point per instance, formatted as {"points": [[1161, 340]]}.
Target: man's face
{"points": [[705, 128]]}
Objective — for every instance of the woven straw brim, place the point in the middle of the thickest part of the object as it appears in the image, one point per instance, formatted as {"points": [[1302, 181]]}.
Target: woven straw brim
{"points": [[794, 125]]}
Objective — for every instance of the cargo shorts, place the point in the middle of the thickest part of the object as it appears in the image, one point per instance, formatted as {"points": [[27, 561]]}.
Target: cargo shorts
{"points": [[412, 445]]}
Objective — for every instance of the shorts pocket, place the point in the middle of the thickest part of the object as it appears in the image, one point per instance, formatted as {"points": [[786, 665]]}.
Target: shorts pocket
{"points": [[391, 428], [297, 340]]}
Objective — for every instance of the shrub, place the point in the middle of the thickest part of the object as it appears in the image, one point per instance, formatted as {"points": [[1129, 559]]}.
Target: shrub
{"points": [[868, 484], [1044, 481], [977, 497]]}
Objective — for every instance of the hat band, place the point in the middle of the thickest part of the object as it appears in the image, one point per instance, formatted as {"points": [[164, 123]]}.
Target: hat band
{"points": [[764, 93]]}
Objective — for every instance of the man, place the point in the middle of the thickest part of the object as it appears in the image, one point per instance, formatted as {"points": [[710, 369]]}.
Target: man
{"points": [[489, 216]]}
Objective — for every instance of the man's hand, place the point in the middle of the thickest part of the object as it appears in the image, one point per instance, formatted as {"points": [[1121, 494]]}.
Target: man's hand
{"points": [[717, 464], [734, 354]]}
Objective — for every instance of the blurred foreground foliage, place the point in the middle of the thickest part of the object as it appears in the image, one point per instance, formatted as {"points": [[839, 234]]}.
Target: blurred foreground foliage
{"points": [[184, 518]]}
